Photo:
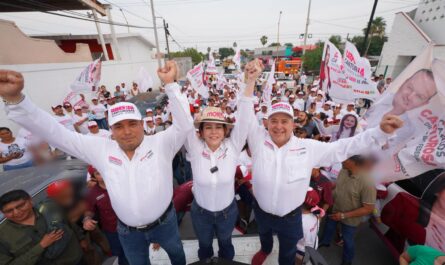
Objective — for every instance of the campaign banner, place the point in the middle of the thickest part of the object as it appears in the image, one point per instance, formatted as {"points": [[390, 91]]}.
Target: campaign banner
{"points": [[237, 58], [89, 78], [267, 92], [358, 73], [74, 99], [333, 79], [144, 81], [195, 76], [221, 82], [416, 97]]}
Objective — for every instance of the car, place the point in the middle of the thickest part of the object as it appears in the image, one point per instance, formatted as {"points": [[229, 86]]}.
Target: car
{"points": [[217, 62], [35, 180], [282, 78]]}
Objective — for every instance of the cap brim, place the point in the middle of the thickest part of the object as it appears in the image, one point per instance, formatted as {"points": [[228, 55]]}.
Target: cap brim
{"points": [[122, 119], [284, 112], [197, 123]]}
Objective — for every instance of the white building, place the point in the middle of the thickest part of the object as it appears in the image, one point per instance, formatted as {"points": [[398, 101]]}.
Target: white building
{"points": [[410, 34]]}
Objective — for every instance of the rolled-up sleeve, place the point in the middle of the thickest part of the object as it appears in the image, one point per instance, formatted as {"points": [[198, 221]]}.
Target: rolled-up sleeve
{"points": [[41, 124], [327, 154]]}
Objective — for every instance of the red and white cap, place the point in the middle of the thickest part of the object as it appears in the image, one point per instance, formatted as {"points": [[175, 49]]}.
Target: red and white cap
{"points": [[77, 107], [91, 124], [281, 107], [123, 111], [148, 119], [148, 110]]}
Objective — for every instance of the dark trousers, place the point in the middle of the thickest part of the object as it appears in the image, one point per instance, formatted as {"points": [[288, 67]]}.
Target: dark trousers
{"points": [[102, 123], [116, 247], [207, 224], [289, 231], [348, 237], [136, 244]]}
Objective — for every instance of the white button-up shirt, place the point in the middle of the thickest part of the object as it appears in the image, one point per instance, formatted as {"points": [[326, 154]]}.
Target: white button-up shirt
{"points": [[215, 191], [141, 188], [281, 176]]}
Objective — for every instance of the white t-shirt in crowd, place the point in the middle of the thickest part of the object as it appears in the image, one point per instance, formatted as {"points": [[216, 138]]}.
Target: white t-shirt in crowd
{"points": [[99, 110], [83, 128], [20, 145], [298, 104], [310, 230], [66, 121], [102, 133], [303, 79]]}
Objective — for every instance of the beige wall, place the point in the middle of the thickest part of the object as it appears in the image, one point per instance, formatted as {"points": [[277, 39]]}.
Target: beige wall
{"points": [[17, 48]]}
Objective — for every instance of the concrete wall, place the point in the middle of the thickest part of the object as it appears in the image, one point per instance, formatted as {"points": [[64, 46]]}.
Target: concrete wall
{"points": [[47, 84], [133, 49], [404, 40], [17, 48], [430, 16]]}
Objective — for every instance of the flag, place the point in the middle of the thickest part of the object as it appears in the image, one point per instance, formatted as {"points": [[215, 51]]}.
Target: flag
{"points": [[237, 58], [89, 78], [195, 76], [267, 93], [144, 81]]}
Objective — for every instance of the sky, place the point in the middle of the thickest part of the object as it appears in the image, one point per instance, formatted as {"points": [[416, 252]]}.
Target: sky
{"points": [[219, 23]]}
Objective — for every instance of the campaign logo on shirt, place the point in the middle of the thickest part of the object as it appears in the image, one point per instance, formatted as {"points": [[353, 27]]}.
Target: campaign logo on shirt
{"points": [[205, 155], [115, 160]]}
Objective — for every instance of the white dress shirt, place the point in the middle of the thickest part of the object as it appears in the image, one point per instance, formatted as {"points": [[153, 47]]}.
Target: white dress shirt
{"points": [[215, 191], [281, 175], [141, 188]]}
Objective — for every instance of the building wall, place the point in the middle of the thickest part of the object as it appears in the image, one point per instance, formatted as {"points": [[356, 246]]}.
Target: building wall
{"points": [[430, 16], [134, 49], [69, 46], [17, 48], [404, 41], [47, 84]]}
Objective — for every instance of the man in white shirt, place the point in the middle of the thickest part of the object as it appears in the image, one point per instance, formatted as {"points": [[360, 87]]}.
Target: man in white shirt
{"points": [[303, 79], [299, 101], [282, 166], [137, 169], [98, 110], [260, 115], [62, 118], [327, 110], [349, 109], [94, 130], [80, 120]]}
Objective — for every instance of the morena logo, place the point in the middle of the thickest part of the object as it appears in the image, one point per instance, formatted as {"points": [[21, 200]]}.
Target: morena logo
{"points": [[122, 109], [279, 106], [215, 114]]}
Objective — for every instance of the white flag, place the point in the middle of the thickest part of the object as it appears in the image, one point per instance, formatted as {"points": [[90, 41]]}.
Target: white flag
{"points": [[195, 76], [144, 81], [237, 58], [89, 78], [267, 93]]}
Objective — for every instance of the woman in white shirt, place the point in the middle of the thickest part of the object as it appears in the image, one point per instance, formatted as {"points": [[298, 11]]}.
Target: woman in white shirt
{"points": [[214, 159]]}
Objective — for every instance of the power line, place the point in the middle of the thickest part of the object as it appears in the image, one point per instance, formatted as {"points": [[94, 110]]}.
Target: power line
{"points": [[74, 17], [128, 11]]}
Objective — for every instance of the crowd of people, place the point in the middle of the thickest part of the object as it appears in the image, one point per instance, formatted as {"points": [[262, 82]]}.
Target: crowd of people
{"points": [[289, 163]]}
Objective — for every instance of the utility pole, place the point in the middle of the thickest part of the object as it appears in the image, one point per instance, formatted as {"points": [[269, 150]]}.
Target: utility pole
{"points": [[115, 47], [369, 28], [278, 32], [158, 54], [166, 37], [305, 34], [101, 37]]}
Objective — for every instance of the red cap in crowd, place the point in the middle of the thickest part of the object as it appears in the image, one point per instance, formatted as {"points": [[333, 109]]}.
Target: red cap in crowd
{"points": [[56, 187], [312, 198]]}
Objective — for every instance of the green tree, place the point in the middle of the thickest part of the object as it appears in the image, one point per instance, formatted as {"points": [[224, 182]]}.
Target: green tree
{"points": [[196, 56], [263, 40], [225, 52], [378, 28], [274, 44], [312, 59]]}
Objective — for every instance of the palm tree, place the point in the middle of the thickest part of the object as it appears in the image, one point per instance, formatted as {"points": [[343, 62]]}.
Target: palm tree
{"points": [[263, 40], [378, 28]]}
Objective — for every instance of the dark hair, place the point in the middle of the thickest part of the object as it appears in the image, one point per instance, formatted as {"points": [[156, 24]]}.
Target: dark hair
{"points": [[342, 125], [359, 160], [5, 129], [12, 196]]}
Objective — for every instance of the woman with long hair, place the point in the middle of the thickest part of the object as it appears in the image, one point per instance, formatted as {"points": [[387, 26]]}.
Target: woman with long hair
{"points": [[347, 128]]}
